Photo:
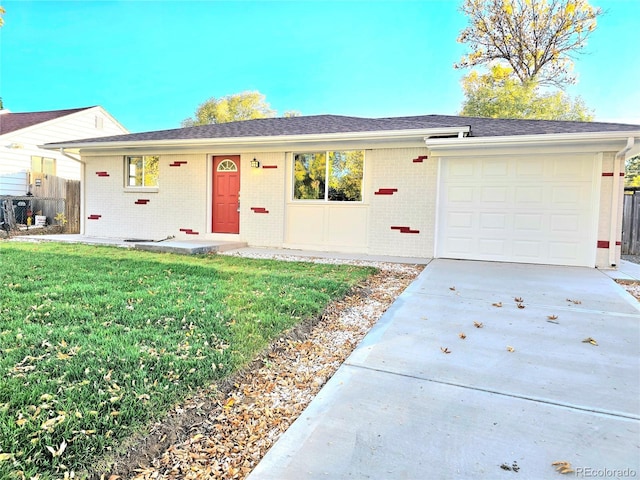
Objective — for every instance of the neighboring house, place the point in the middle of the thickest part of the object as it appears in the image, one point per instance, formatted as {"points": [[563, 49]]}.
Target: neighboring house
{"points": [[527, 191], [21, 135]]}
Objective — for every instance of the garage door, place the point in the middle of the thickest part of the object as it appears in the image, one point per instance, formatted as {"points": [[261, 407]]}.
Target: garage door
{"points": [[529, 209]]}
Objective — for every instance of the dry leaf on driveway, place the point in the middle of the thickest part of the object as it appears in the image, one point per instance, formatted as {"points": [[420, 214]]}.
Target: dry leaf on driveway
{"points": [[563, 467]]}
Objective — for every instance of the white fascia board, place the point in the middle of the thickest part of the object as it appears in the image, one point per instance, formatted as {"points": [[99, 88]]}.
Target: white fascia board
{"points": [[378, 135], [549, 139]]}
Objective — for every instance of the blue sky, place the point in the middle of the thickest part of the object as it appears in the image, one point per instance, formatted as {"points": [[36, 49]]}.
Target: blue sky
{"points": [[151, 63]]}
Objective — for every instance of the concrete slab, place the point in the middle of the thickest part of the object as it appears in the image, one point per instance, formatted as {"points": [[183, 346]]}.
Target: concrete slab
{"points": [[184, 247], [368, 424], [626, 271], [190, 247], [402, 408]]}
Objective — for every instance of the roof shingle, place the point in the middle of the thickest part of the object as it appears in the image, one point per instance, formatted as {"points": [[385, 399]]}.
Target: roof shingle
{"points": [[326, 124], [10, 122]]}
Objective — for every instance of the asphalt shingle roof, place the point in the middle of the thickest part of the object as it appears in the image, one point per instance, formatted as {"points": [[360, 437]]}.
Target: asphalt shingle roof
{"points": [[10, 122], [325, 124]]}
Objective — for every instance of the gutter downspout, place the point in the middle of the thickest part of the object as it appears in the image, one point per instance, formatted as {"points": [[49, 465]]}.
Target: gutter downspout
{"points": [[615, 199]]}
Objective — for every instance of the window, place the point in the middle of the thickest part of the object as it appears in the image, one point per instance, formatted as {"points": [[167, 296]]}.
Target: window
{"points": [[43, 165], [227, 166], [332, 176], [142, 171]]}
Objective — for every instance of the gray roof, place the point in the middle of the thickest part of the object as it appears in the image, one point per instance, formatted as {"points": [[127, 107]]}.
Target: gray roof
{"points": [[10, 122], [325, 124]]}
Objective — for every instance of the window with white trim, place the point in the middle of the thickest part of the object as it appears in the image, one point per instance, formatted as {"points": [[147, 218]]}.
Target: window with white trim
{"points": [[334, 176], [142, 171]]}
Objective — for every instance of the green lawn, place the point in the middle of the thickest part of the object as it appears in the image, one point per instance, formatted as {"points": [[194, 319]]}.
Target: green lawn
{"points": [[96, 342]]}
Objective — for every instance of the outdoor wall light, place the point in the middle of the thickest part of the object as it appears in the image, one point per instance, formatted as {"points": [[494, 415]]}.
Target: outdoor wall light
{"points": [[255, 163]]}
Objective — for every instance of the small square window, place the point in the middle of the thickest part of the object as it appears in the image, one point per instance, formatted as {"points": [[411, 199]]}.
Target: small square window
{"points": [[142, 171]]}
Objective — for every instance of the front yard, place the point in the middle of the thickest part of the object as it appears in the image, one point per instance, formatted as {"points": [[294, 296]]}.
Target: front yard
{"points": [[98, 342]]}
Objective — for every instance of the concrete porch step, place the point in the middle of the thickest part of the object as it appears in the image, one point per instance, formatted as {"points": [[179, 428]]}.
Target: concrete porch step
{"points": [[191, 247]]}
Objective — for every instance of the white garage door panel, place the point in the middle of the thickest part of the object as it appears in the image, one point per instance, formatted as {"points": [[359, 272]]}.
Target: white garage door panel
{"points": [[518, 209]]}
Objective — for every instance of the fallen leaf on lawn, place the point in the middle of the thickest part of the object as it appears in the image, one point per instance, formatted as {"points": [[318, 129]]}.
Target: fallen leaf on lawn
{"points": [[518, 300], [445, 350], [230, 403], [21, 421], [6, 456], [590, 340], [63, 356], [563, 467], [520, 305], [497, 304], [59, 451], [510, 349], [462, 335], [236, 438], [478, 324]]}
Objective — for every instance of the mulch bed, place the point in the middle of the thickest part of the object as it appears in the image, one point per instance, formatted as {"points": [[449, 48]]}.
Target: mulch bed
{"points": [[225, 432]]}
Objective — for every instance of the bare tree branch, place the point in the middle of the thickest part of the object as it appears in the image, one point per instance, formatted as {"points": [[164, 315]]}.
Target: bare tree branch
{"points": [[537, 38]]}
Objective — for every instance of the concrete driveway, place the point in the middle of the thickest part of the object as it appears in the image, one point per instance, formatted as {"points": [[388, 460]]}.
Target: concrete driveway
{"points": [[515, 395]]}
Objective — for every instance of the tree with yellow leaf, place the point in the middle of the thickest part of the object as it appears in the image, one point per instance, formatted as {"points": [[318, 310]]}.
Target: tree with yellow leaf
{"points": [[231, 108], [499, 94], [2, 11], [537, 39]]}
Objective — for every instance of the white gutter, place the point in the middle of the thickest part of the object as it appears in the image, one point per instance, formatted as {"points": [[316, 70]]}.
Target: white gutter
{"points": [[76, 159], [615, 199], [471, 142]]}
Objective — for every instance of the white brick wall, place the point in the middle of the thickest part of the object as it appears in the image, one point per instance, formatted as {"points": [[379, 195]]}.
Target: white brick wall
{"points": [[413, 205], [604, 223], [183, 198], [179, 202], [263, 188]]}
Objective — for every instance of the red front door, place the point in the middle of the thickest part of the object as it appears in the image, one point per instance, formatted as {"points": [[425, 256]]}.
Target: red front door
{"points": [[226, 190]]}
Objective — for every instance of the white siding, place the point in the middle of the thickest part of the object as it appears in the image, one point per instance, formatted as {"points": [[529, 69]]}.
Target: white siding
{"points": [[17, 148], [14, 184]]}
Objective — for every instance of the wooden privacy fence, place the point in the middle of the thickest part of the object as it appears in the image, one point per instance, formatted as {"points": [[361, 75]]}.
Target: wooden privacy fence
{"points": [[631, 223], [52, 197]]}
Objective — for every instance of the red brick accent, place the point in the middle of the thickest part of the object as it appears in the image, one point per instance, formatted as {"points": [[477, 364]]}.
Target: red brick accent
{"points": [[94, 217], [269, 166], [102, 174], [405, 230], [420, 159], [386, 191], [610, 174], [178, 163], [142, 201], [189, 231], [605, 244], [259, 210]]}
